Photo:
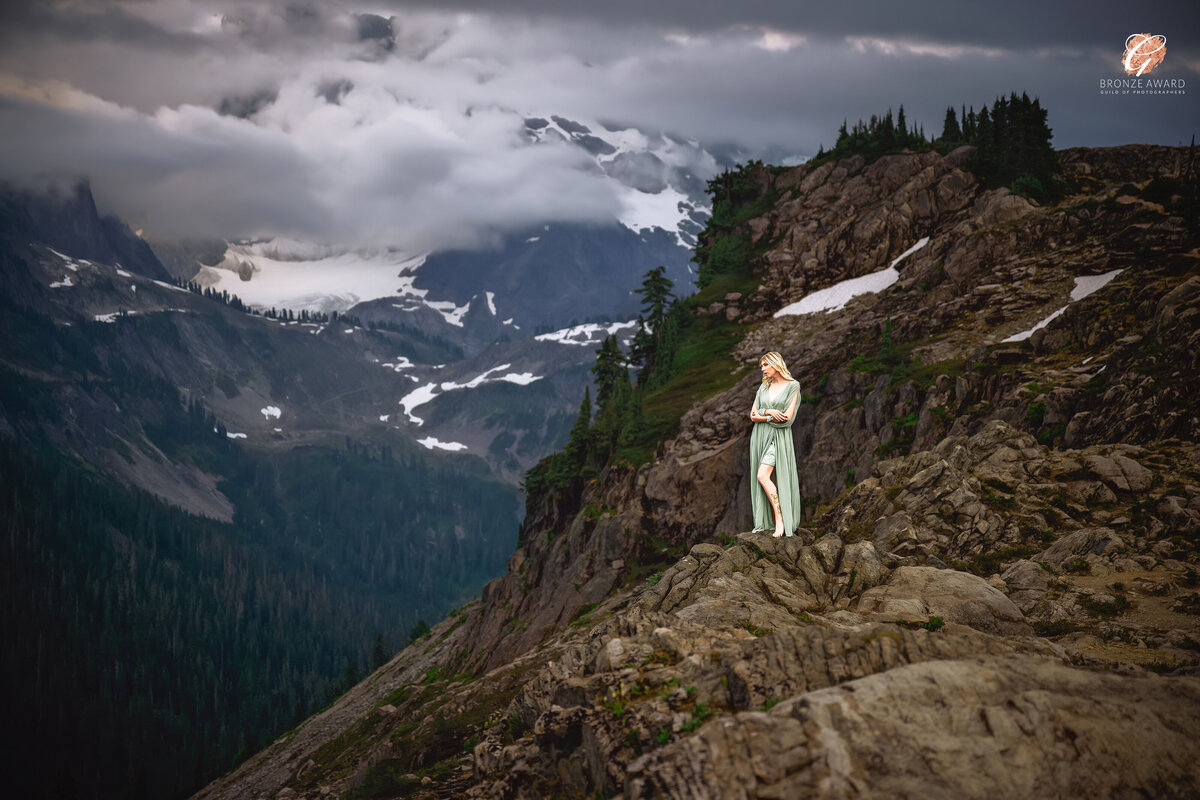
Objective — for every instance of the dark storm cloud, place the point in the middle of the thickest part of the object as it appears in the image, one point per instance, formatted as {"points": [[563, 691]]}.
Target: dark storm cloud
{"points": [[404, 122], [1022, 24], [92, 21]]}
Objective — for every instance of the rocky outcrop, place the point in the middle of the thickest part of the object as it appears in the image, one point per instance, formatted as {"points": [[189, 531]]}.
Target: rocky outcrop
{"points": [[994, 591], [983, 728]]}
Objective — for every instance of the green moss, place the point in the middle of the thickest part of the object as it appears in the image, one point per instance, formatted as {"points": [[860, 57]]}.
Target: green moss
{"points": [[755, 630], [1059, 627], [699, 714]]}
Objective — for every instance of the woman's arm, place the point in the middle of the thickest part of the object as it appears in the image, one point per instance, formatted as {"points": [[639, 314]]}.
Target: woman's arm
{"points": [[755, 416], [783, 419]]}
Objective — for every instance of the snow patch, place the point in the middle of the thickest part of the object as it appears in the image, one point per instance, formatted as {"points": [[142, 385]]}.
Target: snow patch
{"points": [[645, 211], [112, 317], [835, 298], [401, 363], [491, 301], [430, 443], [532, 239], [423, 394], [123, 273], [384, 417], [285, 273], [65, 283], [166, 285], [68, 262], [1084, 285], [415, 399], [586, 335], [236, 435], [271, 411]]}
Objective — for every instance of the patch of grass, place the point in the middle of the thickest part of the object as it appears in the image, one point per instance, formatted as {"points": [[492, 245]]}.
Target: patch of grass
{"points": [[1077, 566], [998, 501], [932, 624], [1048, 435], [583, 617], [699, 714], [703, 367], [926, 376], [514, 727], [1059, 627], [654, 579], [395, 697], [1035, 413], [594, 511], [985, 564], [996, 483], [904, 431], [942, 414], [616, 707], [756, 630], [661, 657], [881, 633], [1106, 608], [770, 703]]}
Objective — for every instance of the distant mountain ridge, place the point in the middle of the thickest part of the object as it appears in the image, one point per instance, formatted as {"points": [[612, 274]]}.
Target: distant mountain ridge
{"points": [[533, 276]]}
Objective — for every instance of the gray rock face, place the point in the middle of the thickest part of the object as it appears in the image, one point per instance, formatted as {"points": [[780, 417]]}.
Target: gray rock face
{"points": [[1013, 728], [917, 593]]}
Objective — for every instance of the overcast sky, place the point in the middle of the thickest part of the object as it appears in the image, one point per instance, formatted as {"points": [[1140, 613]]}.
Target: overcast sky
{"points": [[399, 123]]}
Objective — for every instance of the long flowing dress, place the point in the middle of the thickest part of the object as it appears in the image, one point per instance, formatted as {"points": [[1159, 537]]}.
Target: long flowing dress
{"points": [[762, 437]]}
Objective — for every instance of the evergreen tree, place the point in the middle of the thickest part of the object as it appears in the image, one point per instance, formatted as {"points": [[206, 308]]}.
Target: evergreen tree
{"points": [[656, 296], [950, 130], [379, 652], [609, 370], [577, 453]]}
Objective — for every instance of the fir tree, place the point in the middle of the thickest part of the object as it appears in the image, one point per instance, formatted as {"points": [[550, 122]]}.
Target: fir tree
{"points": [[950, 130]]}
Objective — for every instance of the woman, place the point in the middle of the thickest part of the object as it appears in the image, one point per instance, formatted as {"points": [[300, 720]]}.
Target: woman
{"points": [[771, 450]]}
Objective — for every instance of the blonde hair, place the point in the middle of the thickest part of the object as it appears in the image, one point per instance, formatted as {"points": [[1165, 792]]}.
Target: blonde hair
{"points": [[775, 360]]}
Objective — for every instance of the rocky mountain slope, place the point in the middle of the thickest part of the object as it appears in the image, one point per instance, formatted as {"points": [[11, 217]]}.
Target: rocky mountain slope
{"points": [[995, 586]]}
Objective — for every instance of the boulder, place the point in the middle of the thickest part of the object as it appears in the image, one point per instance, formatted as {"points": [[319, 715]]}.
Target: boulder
{"points": [[918, 593], [1089, 541]]}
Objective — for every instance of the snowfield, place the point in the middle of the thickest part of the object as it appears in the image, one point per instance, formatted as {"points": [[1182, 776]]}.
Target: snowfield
{"points": [[431, 443], [837, 296], [1084, 285], [589, 335], [423, 394]]}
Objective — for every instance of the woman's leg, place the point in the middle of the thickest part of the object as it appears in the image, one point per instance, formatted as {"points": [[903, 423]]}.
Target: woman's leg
{"points": [[764, 480]]}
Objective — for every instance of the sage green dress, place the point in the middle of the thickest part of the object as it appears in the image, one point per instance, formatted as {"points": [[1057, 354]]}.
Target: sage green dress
{"points": [[762, 437]]}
